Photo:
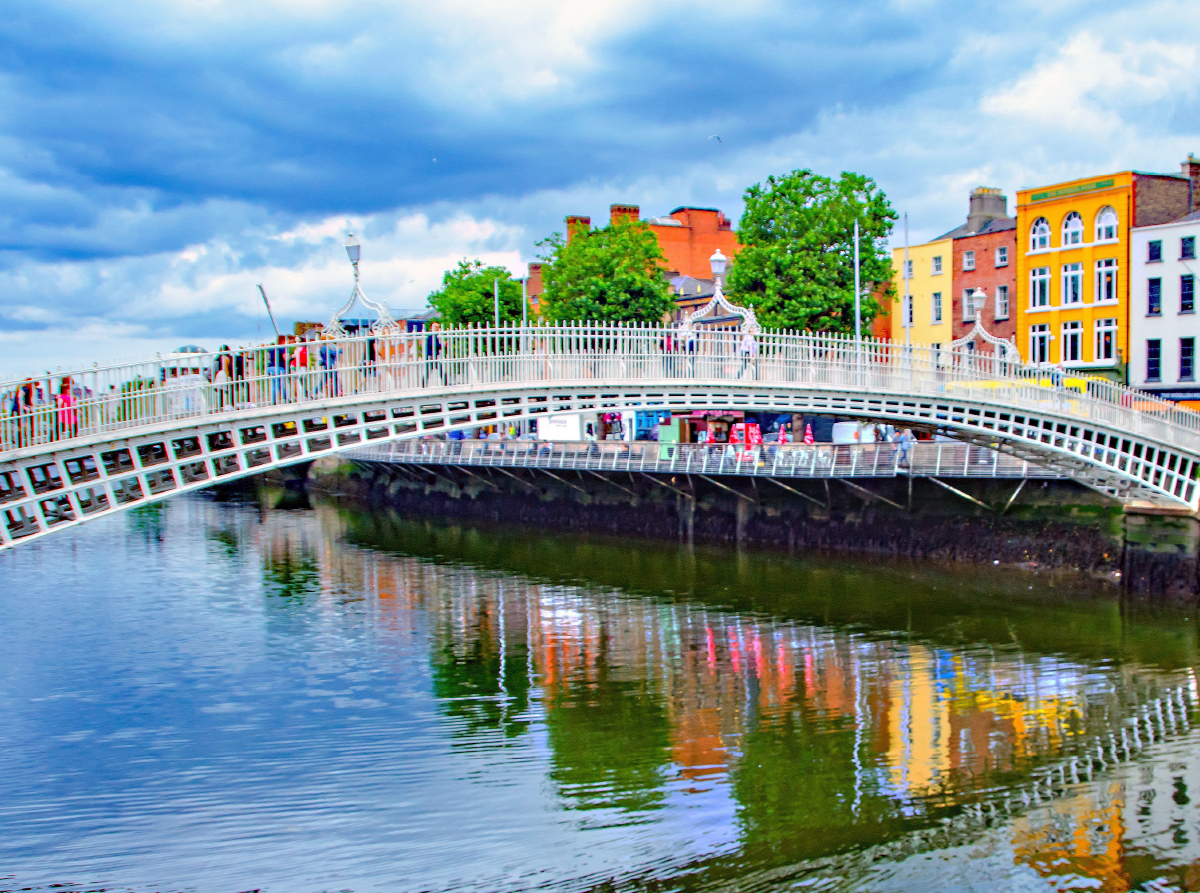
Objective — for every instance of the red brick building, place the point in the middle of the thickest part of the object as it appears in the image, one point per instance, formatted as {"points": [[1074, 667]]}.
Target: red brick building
{"points": [[985, 256], [688, 237]]}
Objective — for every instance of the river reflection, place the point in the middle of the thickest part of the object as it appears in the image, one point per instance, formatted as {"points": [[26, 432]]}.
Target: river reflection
{"points": [[216, 697]]}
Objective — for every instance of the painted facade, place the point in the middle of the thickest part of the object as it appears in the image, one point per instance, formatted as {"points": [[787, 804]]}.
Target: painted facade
{"points": [[931, 283], [1163, 326], [1073, 265], [985, 258]]}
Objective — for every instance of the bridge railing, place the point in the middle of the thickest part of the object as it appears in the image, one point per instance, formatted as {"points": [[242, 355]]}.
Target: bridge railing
{"points": [[102, 399], [821, 460]]}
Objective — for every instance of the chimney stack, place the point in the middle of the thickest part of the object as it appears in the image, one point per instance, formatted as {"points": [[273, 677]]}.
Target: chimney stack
{"points": [[578, 223], [1191, 170], [623, 213], [986, 204]]}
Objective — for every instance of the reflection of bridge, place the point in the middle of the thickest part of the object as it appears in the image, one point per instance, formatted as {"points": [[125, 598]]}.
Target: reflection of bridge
{"points": [[143, 431]]}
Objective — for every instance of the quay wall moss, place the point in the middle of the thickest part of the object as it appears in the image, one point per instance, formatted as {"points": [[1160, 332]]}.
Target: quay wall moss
{"points": [[1053, 525]]}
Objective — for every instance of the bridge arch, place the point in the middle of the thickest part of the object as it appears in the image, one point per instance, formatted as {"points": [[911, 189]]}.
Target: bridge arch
{"points": [[1115, 440]]}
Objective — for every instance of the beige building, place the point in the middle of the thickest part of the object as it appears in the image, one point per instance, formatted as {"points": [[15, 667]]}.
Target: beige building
{"points": [[930, 289]]}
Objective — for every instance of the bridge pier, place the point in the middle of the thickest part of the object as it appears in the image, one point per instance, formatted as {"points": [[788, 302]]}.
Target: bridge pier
{"points": [[296, 476]]}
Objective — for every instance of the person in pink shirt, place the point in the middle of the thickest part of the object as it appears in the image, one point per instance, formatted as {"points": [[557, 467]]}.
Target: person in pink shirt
{"points": [[68, 415]]}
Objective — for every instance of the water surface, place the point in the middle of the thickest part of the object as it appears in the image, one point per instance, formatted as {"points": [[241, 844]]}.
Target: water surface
{"points": [[220, 697]]}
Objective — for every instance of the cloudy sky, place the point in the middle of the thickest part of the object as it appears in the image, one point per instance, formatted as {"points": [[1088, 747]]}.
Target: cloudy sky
{"points": [[158, 159]]}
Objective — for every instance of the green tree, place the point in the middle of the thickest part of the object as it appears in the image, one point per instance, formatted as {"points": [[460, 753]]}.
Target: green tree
{"points": [[613, 273], [796, 267], [466, 295]]}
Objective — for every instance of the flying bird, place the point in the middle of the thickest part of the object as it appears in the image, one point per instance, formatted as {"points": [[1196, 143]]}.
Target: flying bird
{"points": [[715, 137]]}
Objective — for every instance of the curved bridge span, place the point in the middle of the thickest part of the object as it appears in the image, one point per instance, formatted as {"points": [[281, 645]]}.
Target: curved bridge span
{"points": [[123, 435]]}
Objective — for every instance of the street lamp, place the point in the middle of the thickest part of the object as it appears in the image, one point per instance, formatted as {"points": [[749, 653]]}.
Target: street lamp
{"points": [[978, 300], [384, 322], [717, 262]]}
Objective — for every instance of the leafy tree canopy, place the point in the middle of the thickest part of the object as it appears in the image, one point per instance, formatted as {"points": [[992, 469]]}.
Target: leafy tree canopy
{"points": [[796, 267], [613, 273], [466, 295]]}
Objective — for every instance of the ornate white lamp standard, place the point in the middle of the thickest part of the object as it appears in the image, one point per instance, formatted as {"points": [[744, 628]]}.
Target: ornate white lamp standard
{"points": [[749, 321], [1005, 351], [384, 323]]}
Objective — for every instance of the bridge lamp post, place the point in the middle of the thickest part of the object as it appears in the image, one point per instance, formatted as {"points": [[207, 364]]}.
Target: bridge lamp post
{"points": [[352, 252], [717, 262]]}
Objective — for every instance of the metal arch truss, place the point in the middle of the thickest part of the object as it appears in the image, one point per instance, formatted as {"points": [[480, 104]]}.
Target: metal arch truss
{"points": [[46, 489]]}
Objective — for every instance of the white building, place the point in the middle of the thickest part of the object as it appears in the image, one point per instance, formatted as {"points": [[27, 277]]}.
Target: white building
{"points": [[1164, 329]]}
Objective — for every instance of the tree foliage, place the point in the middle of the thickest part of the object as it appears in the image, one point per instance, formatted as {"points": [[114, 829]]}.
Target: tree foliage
{"points": [[796, 267], [613, 273], [466, 295]]}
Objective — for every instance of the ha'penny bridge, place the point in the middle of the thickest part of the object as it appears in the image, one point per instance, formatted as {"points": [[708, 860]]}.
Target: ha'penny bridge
{"points": [[139, 432]]}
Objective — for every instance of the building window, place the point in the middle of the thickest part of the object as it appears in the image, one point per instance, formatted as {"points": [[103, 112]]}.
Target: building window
{"points": [[1187, 359], [1187, 248], [937, 307], [1106, 225], [1154, 298], [968, 305], [1106, 279], [1153, 359], [910, 310], [1072, 229], [1039, 235], [908, 269], [1154, 251], [937, 265], [968, 260], [1187, 294], [1106, 339], [1039, 343], [1001, 302], [1039, 287], [1002, 256], [1072, 343], [1072, 283]]}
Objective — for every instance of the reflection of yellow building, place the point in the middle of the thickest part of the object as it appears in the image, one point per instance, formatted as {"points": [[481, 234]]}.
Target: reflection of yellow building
{"points": [[931, 302], [1073, 261]]}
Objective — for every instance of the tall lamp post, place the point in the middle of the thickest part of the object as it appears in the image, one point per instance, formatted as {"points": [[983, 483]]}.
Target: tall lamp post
{"points": [[384, 323], [717, 262]]}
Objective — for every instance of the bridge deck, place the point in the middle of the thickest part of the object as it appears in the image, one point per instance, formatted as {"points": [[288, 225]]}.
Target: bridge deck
{"points": [[871, 460]]}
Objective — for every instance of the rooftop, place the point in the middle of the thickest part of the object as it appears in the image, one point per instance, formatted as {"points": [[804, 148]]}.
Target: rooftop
{"points": [[994, 225]]}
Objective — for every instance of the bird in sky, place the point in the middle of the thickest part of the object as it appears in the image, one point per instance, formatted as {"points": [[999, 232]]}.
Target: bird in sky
{"points": [[715, 137]]}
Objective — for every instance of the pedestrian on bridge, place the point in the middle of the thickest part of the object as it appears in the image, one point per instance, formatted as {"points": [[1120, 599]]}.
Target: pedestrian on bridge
{"points": [[748, 350], [68, 415]]}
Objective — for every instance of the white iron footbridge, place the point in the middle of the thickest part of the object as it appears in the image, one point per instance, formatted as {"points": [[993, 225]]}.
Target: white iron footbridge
{"points": [[122, 435]]}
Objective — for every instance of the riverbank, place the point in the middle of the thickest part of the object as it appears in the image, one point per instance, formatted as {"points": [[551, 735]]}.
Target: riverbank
{"points": [[1051, 526]]}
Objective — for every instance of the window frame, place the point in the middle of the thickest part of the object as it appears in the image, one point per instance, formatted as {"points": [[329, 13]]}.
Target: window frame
{"points": [[1154, 296], [1002, 300], [969, 260], [936, 301], [1102, 224], [1039, 235], [1072, 334], [1187, 248], [1073, 273], [1039, 337], [1107, 269], [1187, 293], [1072, 229], [1001, 256], [936, 266], [1154, 251], [1187, 354], [1105, 327], [1039, 284], [966, 306], [1153, 359]]}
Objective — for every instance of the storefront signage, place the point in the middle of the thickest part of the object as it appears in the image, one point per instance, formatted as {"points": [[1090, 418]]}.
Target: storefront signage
{"points": [[1071, 190]]}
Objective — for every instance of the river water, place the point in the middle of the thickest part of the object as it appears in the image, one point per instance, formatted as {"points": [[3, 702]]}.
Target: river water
{"points": [[215, 696]]}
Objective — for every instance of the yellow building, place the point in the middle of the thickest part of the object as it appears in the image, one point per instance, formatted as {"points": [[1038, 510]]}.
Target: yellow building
{"points": [[1073, 265], [930, 273]]}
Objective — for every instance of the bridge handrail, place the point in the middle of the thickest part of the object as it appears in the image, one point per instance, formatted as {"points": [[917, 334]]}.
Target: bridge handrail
{"points": [[126, 396]]}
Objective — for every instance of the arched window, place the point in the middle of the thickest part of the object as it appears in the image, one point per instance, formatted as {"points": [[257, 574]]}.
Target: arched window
{"points": [[1073, 229], [1039, 234], [1106, 225]]}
